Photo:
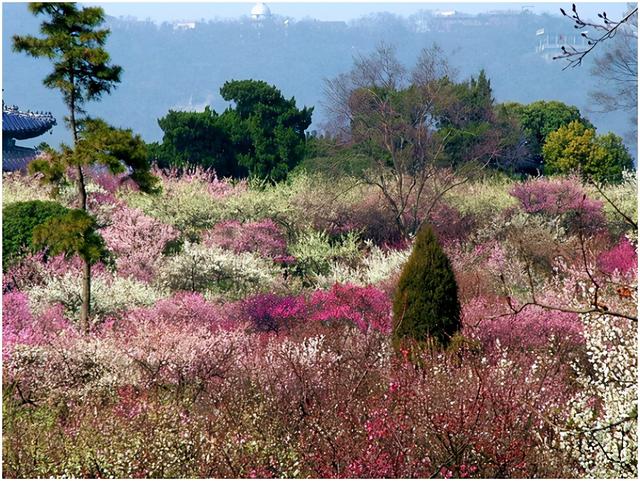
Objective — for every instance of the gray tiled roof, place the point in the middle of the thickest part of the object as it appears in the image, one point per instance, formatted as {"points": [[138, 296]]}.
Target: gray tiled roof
{"points": [[25, 125], [17, 158]]}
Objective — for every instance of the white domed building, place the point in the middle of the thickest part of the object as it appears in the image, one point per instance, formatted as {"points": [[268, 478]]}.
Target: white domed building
{"points": [[260, 12]]}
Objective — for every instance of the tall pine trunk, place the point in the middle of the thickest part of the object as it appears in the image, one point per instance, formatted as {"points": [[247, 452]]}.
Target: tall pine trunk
{"points": [[85, 310], [86, 296], [82, 191]]}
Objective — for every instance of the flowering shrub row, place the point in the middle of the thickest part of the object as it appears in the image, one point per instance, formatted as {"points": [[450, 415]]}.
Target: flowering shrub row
{"points": [[243, 331]]}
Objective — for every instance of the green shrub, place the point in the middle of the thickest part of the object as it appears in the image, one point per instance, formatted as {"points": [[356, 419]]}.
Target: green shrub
{"points": [[18, 222], [316, 253], [577, 148], [426, 304]]}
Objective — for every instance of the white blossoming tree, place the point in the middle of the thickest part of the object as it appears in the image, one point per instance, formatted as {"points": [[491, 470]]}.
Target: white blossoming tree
{"points": [[603, 428]]}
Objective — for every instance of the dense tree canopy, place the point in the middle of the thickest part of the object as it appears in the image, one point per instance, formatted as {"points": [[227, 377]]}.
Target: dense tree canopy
{"points": [[262, 134], [267, 129], [576, 148], [537, 120], [195, 138]]}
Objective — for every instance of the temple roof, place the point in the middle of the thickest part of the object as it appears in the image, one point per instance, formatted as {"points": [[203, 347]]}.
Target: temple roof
{"points": [[17, 158], [25, 125]]}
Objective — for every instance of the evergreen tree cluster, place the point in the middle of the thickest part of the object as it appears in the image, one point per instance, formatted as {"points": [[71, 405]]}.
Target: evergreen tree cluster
{"points": [[261, 135]]}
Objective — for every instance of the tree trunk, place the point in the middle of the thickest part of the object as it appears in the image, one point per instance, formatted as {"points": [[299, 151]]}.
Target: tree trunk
{"points": [[82, 191], [85, 310]]}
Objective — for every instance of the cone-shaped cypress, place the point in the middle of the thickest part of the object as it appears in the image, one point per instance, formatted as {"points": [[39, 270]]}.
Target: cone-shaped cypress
{"points": [[426, 304]]}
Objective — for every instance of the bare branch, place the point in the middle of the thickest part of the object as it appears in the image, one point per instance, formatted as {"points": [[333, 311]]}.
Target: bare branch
{"points": [[608, 27]]}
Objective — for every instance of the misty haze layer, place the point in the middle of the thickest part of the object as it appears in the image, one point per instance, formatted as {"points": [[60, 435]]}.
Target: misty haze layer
{"points": [[183, 66]]}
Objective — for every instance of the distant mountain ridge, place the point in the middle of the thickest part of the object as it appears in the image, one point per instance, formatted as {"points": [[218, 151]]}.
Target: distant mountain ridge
{"points": [[183, 68]]}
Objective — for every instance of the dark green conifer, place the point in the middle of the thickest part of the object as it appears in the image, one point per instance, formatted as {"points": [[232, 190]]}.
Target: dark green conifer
{"points": [[426, 304]]}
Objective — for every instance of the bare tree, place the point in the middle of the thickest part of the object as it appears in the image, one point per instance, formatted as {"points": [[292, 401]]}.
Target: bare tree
{"points": [[390, 114], [617, 72], [617, 67]]}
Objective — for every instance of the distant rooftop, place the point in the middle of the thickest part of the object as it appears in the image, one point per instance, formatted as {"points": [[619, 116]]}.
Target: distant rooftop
{"points": [[21, 125], [17, 158]]}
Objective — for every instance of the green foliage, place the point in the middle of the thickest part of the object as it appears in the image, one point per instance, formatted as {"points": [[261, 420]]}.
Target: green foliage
{"points": [[575, 147], [18, 223], [426, 302], [609, 159], [465, 117], [196, 138], [261, 136], [539, 119], [72, 233], [73, 41], [267, 129]]}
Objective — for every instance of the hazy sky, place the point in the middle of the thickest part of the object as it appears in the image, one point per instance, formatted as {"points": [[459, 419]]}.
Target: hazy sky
{"points": [[170, 11]]}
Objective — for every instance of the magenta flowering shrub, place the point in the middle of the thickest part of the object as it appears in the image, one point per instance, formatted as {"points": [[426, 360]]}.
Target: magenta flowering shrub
{"points": [[137, 241], [532, 328], [560, 197], [263, 237], [272, 313], [21, 327], [111, 183], [17, 322], [183, 308], [367, 308], [623, 257]]}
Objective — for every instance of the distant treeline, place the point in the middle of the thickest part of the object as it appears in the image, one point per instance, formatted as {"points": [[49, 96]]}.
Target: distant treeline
{"points": [[167, 68]]}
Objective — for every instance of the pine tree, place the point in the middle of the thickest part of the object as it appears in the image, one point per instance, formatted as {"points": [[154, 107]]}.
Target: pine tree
{"points": [[426, 304], [73, 41]]}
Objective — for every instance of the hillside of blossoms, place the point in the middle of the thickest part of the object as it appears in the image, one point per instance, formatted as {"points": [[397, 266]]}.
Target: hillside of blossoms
{"points": [[261, 347], [436, 285]]}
